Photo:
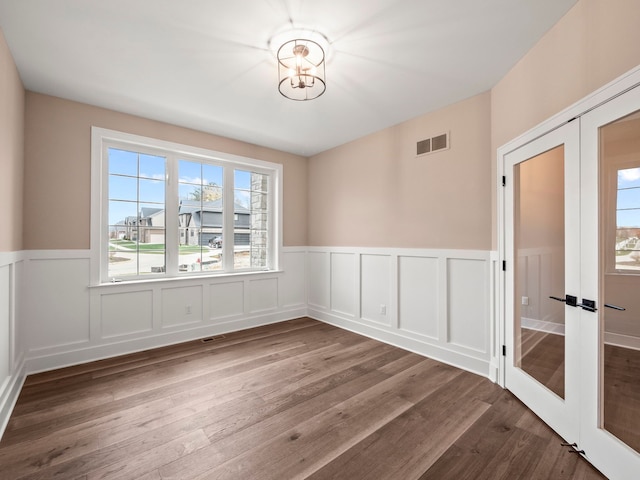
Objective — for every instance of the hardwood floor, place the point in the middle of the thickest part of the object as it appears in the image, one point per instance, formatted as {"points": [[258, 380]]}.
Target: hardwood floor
{"points": [[544, 361], [299, 399]]}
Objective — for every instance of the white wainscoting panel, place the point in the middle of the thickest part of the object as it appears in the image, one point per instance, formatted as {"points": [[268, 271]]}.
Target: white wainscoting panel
{"points": [[468, 303], [12, 366], [182, 306], [375, 283], [5, 322], [293, 292], [263, 294], [71, 323], [438, 302], [57, 301], [418, 293], [126, 313], [226, 299], [343, 283], [318, 279]]}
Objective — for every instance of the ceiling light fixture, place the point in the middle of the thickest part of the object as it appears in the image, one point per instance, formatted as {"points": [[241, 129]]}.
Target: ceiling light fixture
{"points": [[301, 72]]}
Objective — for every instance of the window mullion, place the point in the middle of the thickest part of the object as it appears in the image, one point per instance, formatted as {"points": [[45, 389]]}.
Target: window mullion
{"points": [[228, 240], [172, 231]]}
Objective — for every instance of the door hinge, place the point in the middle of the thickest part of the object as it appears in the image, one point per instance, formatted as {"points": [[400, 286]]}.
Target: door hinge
{"points": [[504, 350], [504, 181], [504, 265]]}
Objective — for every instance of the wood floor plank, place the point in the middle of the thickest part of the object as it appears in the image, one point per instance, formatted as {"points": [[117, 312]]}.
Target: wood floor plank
{"points": [[299, 399], [409, 444]]}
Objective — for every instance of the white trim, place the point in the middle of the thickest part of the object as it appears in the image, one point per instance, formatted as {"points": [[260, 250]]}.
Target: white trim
{"points": [[406, 342], [102, 138], [624, 341], [45, 361], [543, 326], [10, 391], [604, 94], [607, 92]]}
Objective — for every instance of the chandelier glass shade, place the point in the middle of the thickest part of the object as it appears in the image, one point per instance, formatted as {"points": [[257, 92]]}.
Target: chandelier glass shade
{"points": [[301, 69]]}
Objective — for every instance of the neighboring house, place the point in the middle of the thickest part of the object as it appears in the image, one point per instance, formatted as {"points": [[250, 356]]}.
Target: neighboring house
{"points": [[201, 223], [148, 227], [118, 231]]}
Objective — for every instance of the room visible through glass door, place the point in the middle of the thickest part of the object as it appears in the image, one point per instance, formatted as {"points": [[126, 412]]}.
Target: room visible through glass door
{"points": [[620, 277], [542, 281], [539, 268]]}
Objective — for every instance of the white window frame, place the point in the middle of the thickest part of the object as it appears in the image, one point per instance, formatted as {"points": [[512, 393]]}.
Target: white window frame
{"points": [[611, 217], [102, 139]]}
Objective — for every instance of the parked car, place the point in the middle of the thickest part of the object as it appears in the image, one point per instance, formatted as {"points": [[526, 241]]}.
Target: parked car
{"points": [[215, 242]]}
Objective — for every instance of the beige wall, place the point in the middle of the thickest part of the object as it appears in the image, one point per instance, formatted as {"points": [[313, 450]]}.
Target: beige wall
{"points": [[11, 151], [58, 169], [375, 192], [595, 42]]}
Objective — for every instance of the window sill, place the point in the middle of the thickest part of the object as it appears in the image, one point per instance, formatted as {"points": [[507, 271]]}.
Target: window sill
{"points": [[187, 278]]}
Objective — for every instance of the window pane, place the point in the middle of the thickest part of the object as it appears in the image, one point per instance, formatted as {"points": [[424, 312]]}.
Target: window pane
{"points": [[136, 232], [189, 172], [125, 212], [212, 175], [250, 219], [629, 198], [628, 220], [123, 162], [123, 188], [152, 191], [200, 216], [152, 166], [242, 180], [629, 177]]}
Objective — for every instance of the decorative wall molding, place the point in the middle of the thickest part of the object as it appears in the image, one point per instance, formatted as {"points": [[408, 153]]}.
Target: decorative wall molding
{"points": [[438, 303], [73, 323], [12, 365]]}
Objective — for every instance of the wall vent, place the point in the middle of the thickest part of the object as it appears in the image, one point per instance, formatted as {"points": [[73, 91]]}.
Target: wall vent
{"points": [[433, 144]]}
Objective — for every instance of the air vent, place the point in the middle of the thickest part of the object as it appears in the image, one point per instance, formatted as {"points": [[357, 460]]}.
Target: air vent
{"points": [[212, 339], [433, 144]]}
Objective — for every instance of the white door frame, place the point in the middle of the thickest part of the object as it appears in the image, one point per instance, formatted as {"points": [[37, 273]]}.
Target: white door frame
{"points": [[613, 89], [559, 413], [601, 444]]}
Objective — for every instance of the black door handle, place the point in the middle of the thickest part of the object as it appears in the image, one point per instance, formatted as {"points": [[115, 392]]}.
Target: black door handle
{"points": [[570, 300], [588, 305], [615, 307]]}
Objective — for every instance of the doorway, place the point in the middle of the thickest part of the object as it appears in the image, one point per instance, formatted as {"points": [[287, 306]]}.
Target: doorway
{"points": [[570, 230]]}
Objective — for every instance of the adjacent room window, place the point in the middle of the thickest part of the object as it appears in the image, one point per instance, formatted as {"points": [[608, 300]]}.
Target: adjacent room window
{"points": [[628, 220], [167, 210]]}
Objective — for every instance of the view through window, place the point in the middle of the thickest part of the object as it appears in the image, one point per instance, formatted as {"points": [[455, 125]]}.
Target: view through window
{"points": [[169, 214], [628, 220]]}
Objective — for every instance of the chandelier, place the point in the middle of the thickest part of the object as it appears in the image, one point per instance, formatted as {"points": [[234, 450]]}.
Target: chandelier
{"points": [[301, 69]]}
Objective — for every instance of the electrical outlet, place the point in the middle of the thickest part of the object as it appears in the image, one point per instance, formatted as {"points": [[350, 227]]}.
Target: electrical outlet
{"points": [[187, 309], [525, 301], [383, 309]]}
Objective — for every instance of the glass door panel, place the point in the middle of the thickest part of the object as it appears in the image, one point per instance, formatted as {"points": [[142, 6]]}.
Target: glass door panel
{"points": [[539, 268], [610, 275], [542, 252], [620, 278]]}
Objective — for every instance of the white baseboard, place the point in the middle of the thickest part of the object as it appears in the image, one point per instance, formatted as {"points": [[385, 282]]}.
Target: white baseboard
{"points": [[624, 341], [39, 361], [616, 339], [412, 344], [9, 393], [542, 326]]}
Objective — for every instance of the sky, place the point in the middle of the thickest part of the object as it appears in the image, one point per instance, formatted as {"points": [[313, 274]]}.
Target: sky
{"points": [[628, 203], [138, 180]]}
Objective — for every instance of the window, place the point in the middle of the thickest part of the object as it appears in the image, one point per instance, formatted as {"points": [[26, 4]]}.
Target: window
{"points": [[628, 220], [164, 210]]}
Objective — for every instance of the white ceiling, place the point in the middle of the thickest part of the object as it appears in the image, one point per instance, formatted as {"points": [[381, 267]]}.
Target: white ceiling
{"points": [[206, 64]]}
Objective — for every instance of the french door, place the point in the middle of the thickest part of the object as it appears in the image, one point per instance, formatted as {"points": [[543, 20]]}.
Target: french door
{"points": [[572, 284]]}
